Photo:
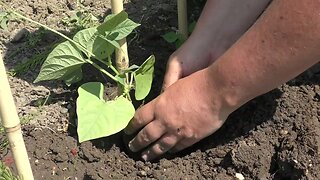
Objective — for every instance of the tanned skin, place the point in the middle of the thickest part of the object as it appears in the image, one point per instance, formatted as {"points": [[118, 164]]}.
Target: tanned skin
{"points": [[223, 65]]}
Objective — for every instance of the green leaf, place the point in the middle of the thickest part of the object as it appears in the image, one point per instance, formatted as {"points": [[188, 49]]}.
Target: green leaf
{"points": [[112, 42], [179, 43], [112, 21], [117, 25], [108, 17], [124, 29], [131, 68], [170, 37], [143, 78], [97, 118], [76, 76], [181, 39], [192, 26], [91, 40], [61, 63], [121, 79], [4, 23]]}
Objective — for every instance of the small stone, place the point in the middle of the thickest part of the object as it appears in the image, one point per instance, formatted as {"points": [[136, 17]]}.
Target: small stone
{"points": [[17, 36], [283, 132], [72, 4], [64, 110], [142, 173], [69, 106], [239, 176]]}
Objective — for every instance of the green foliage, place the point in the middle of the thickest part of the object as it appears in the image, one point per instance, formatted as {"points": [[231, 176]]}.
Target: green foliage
{"points": [[177, 38], [143, 78], [80, 20], [5, 17], [97, 118], [64, 62], [111, 117], [174, 37], [117, 26], [6, 174]]}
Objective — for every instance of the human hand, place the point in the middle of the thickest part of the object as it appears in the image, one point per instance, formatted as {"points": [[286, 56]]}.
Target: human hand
{"points": [[187, 60], [188, 111]]}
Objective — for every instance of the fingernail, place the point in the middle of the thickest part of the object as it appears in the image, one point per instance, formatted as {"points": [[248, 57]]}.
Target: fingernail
{"points": [[131, 147], [145, 156]]}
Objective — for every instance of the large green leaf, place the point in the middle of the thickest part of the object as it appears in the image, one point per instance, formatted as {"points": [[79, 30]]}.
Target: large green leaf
{"points": [[91, 40], [124, 29], [64, 61], [111, 22], [118, 26], [97, 118], [143, 78]]}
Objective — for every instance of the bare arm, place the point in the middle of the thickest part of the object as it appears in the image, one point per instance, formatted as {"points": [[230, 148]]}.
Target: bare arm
{"points": [[221, 24], [283, 43]]}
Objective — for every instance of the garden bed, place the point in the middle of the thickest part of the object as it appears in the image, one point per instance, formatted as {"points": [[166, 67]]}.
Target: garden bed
{"points": [[275, 136]]}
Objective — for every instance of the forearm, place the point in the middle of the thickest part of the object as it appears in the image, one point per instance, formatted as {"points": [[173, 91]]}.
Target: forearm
{"points": [[283, 43], [222, 22]]}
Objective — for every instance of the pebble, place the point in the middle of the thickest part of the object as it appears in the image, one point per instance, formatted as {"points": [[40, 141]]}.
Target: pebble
{"points": [[64, 110], [283, 132], [142, 173], [239, 176]]}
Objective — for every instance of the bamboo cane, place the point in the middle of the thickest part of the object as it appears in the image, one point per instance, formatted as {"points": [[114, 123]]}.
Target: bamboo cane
{"points": [[182, 18], [11, 123], [122, 59]]}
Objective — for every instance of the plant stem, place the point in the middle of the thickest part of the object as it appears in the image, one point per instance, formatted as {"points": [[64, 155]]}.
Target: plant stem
{"points": [[69, 39], [102, 70], [122, 59]]}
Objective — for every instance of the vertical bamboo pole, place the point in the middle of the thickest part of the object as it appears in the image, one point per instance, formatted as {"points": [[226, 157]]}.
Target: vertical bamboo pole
{"points": [[11, 123], [182, 18], [122, 59]]}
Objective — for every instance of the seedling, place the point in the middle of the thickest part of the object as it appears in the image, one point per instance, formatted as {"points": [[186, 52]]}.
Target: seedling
{"points": [[96, 45]]}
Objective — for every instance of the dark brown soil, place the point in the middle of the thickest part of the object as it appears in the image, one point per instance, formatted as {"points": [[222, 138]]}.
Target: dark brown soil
{"points": [[275, 136]]}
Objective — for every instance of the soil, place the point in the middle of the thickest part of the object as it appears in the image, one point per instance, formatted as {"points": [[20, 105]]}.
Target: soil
{"points": [[274, 136]]}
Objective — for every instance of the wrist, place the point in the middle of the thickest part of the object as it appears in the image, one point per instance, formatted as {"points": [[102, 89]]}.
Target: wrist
{"points": [[230, 93]]}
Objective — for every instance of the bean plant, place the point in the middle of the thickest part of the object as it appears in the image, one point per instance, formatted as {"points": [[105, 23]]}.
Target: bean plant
{"points": [[95, 46]]}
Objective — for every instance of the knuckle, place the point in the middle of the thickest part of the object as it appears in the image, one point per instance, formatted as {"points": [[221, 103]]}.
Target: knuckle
{"points": [[137, 120], [145, 136], [167, 142], [188, 133]]}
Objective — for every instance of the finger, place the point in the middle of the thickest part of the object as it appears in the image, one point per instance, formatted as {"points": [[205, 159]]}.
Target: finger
{"points": [[149, 134], [183, 144], [164, 144], [142, 117], [173, 74]]}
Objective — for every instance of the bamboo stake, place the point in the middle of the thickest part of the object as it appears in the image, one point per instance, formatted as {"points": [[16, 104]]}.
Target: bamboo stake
{"points": [[182, 18], [122, 59], [11, 123]]}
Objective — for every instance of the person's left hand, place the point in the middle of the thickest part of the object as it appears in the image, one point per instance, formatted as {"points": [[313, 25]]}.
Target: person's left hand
{"points": [[182, 115]]}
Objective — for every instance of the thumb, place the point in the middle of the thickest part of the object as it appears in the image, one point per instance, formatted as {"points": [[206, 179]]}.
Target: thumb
{"points": [[173, 74]]}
